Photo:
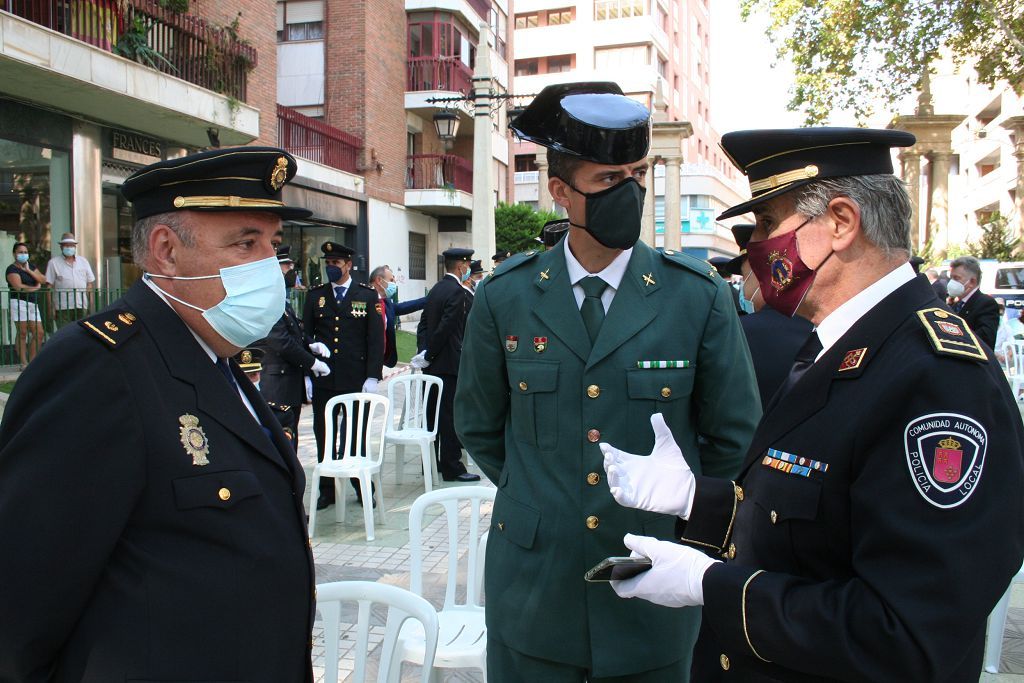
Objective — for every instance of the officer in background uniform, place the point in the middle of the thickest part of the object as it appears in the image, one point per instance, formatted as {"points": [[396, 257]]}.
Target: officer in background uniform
{"points": [[877, 518], [439, 339], [250, 361], [552, 232], [500, 257], [286, 360], [174, 531], [577, 345], [344, 316]]}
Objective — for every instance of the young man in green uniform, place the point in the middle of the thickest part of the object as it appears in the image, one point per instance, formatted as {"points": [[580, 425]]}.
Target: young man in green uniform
{"points": [[577, 345]]}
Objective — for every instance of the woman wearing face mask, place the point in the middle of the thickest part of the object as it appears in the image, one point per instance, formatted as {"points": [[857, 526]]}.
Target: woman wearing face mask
{"points": [[25, 281]]}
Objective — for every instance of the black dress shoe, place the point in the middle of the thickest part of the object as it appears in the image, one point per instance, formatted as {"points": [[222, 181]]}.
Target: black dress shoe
{"points": [[323, 502], [464, 477]]}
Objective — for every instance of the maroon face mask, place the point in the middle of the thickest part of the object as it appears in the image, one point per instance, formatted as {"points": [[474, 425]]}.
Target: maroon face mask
{"points": [[782, 274]]}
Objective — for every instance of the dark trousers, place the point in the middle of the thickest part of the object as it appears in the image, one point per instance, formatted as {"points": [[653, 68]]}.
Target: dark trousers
{"points": [[505, 665], [449, 448], [320, 399]]}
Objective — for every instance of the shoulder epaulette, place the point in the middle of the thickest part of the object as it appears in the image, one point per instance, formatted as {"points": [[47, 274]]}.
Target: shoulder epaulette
{"points": [[366, 286], [513, 262], [113, 326], [950, 335], [694, 264]]}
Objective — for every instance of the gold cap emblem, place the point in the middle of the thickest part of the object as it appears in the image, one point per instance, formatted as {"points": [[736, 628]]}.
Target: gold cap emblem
{"points": [[279, 174], [247, 356]]}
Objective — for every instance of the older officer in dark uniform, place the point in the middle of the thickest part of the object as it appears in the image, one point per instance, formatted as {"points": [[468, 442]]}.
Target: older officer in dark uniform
{"points": [[346, 317], [286, 360], [439, 339], [878, 515], [576, 345], [168, 541]]}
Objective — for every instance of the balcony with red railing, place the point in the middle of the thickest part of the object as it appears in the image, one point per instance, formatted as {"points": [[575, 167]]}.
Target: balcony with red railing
{"points": [[439, 172], [173, 43], [317, 141], [437, 73]]}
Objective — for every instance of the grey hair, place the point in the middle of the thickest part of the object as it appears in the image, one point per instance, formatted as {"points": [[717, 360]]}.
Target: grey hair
{"points": [[884, 207], [378, 272], [175, 220], [968, 263]]}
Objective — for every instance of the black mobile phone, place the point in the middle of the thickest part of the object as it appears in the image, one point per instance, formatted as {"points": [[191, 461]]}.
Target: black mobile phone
{"points": [[618, 568]]}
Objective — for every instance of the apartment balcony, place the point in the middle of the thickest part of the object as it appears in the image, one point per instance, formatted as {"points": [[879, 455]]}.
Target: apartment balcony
{"points": [[316, 141], [136, 65], [439, 184]]}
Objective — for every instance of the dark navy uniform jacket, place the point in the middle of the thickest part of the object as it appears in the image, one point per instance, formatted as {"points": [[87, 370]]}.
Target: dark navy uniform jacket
{"points": [[774, 340], [878, 554], [443, 324], [353, 330], [286, 360], [125, 557]]}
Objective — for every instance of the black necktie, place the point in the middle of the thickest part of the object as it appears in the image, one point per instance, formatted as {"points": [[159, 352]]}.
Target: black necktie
{"points": [[958, 306], [592, 309], [803, 362]]}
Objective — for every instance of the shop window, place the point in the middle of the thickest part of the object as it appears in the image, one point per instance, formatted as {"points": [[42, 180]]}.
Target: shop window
{"points": [[417, 256], [35, 199]]}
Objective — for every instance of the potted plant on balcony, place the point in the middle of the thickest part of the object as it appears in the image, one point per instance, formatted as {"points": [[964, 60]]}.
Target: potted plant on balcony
{"points": [[134, 44]]}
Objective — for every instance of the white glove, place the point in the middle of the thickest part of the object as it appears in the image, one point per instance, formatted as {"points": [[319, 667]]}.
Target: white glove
{"points": [[309, 388], [675, 578], [320, 349], [320, 368], [660, 482], [370, 386], [419, 361]]}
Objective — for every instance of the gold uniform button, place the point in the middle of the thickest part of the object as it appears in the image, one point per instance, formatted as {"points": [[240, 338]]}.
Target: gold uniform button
{"points": [[739, 493], [724, 661], [501, 526], [593, 478], [592, 522], [593, 436], [732, 551], [336, 329], [224, 494], [335, 340], [774, 516], [593, 391], [666, 392], [523, 386]]}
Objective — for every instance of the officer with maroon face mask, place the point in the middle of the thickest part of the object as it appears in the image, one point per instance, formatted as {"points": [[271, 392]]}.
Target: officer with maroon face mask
{"points": [[877, 517]]}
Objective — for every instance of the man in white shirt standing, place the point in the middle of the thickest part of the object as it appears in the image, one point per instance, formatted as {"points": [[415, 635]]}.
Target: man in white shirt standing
{"points": [[72, 280]]}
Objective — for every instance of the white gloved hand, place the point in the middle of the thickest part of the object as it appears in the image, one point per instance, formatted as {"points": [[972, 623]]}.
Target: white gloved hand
{"points": [[320, 349], [320, 368], [309, 388], [675, 578], [370, 386], [419, 361], [660, 482]]}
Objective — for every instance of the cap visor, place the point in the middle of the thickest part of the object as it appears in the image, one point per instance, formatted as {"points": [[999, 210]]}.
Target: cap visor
{"points": [[746, 206]]}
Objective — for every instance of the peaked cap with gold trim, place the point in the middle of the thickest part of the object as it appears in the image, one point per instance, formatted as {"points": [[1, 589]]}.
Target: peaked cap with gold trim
{"points": [[231, 179], [250, 360], [777, 161]]}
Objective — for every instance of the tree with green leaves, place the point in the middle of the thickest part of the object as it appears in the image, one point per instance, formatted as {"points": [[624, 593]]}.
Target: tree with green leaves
{"points": [[517, 225], [997, 240], [848, 53]]}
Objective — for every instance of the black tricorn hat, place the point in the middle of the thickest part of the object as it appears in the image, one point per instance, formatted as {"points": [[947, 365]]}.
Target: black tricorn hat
{"points": [[777, 161], [230, 179], [553, 231], [592, 121]]}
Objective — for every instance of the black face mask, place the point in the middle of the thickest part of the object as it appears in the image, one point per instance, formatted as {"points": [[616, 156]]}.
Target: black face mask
{"points": [[614, 215]]}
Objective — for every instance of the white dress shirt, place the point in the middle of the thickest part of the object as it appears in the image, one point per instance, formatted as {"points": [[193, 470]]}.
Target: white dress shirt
{"points": [[612, 275]]}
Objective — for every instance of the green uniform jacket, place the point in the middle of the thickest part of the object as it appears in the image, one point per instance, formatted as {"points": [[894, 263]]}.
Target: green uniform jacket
{"points": [[533, 402]]}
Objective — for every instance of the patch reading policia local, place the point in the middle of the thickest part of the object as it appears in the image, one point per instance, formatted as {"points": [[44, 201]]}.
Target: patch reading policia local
{"points": [[945, 454]]}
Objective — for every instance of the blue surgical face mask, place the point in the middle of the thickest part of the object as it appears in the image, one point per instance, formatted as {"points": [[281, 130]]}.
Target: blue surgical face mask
{"points": [[466, 275], [746, 305], [333, 273], [253, 302], [390, 290], [21, 258], [68, 251]]}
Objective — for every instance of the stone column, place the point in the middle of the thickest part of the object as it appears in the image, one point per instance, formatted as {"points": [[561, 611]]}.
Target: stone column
{"points": [[543, 194], [647, 228], [86, 158], [938, 227], [672, 210], [912, 177], [483, 162]]}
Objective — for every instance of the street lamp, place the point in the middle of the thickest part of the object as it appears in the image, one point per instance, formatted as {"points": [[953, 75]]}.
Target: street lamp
{"points": [[446, 123]]}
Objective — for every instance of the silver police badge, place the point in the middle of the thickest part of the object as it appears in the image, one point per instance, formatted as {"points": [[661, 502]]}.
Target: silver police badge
{"points": [[193, 438]]}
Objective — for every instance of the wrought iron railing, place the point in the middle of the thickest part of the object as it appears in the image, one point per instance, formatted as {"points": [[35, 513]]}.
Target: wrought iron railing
{"points": [[315, 140], [181, 45], [439, 171], [438, 73]]}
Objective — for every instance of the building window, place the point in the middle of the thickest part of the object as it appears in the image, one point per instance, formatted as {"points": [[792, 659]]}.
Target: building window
{"points": [[559, 64], [526, 162], [559, 16], [417, 256], [527, 20], [499, 26], [619, 9], [527, 67], [662, 20], [300, 20], [622, 57], [662, 67]]}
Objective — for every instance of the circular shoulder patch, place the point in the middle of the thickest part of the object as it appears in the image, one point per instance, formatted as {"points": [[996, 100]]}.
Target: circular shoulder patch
{"points": [[945, 455]]}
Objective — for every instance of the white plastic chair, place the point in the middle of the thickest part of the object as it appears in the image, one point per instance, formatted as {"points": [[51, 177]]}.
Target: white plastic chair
{"points": [[412, 429], [462, 638], [1013, 365], [996, 626], [361, 455], [403, 607]]}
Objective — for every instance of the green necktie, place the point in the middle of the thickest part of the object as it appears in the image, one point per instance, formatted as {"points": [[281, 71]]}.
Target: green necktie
{"points": [[592, 309]]}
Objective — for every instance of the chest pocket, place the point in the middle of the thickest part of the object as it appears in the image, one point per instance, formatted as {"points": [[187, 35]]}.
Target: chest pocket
{"points": [[216, 490], [664, 385], [534, 397], [788, 496]]}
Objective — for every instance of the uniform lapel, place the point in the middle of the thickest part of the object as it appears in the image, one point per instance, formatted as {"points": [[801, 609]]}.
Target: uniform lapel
{"points": [[630, 311], [266, 417], [557, 307], [187, 361]]}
